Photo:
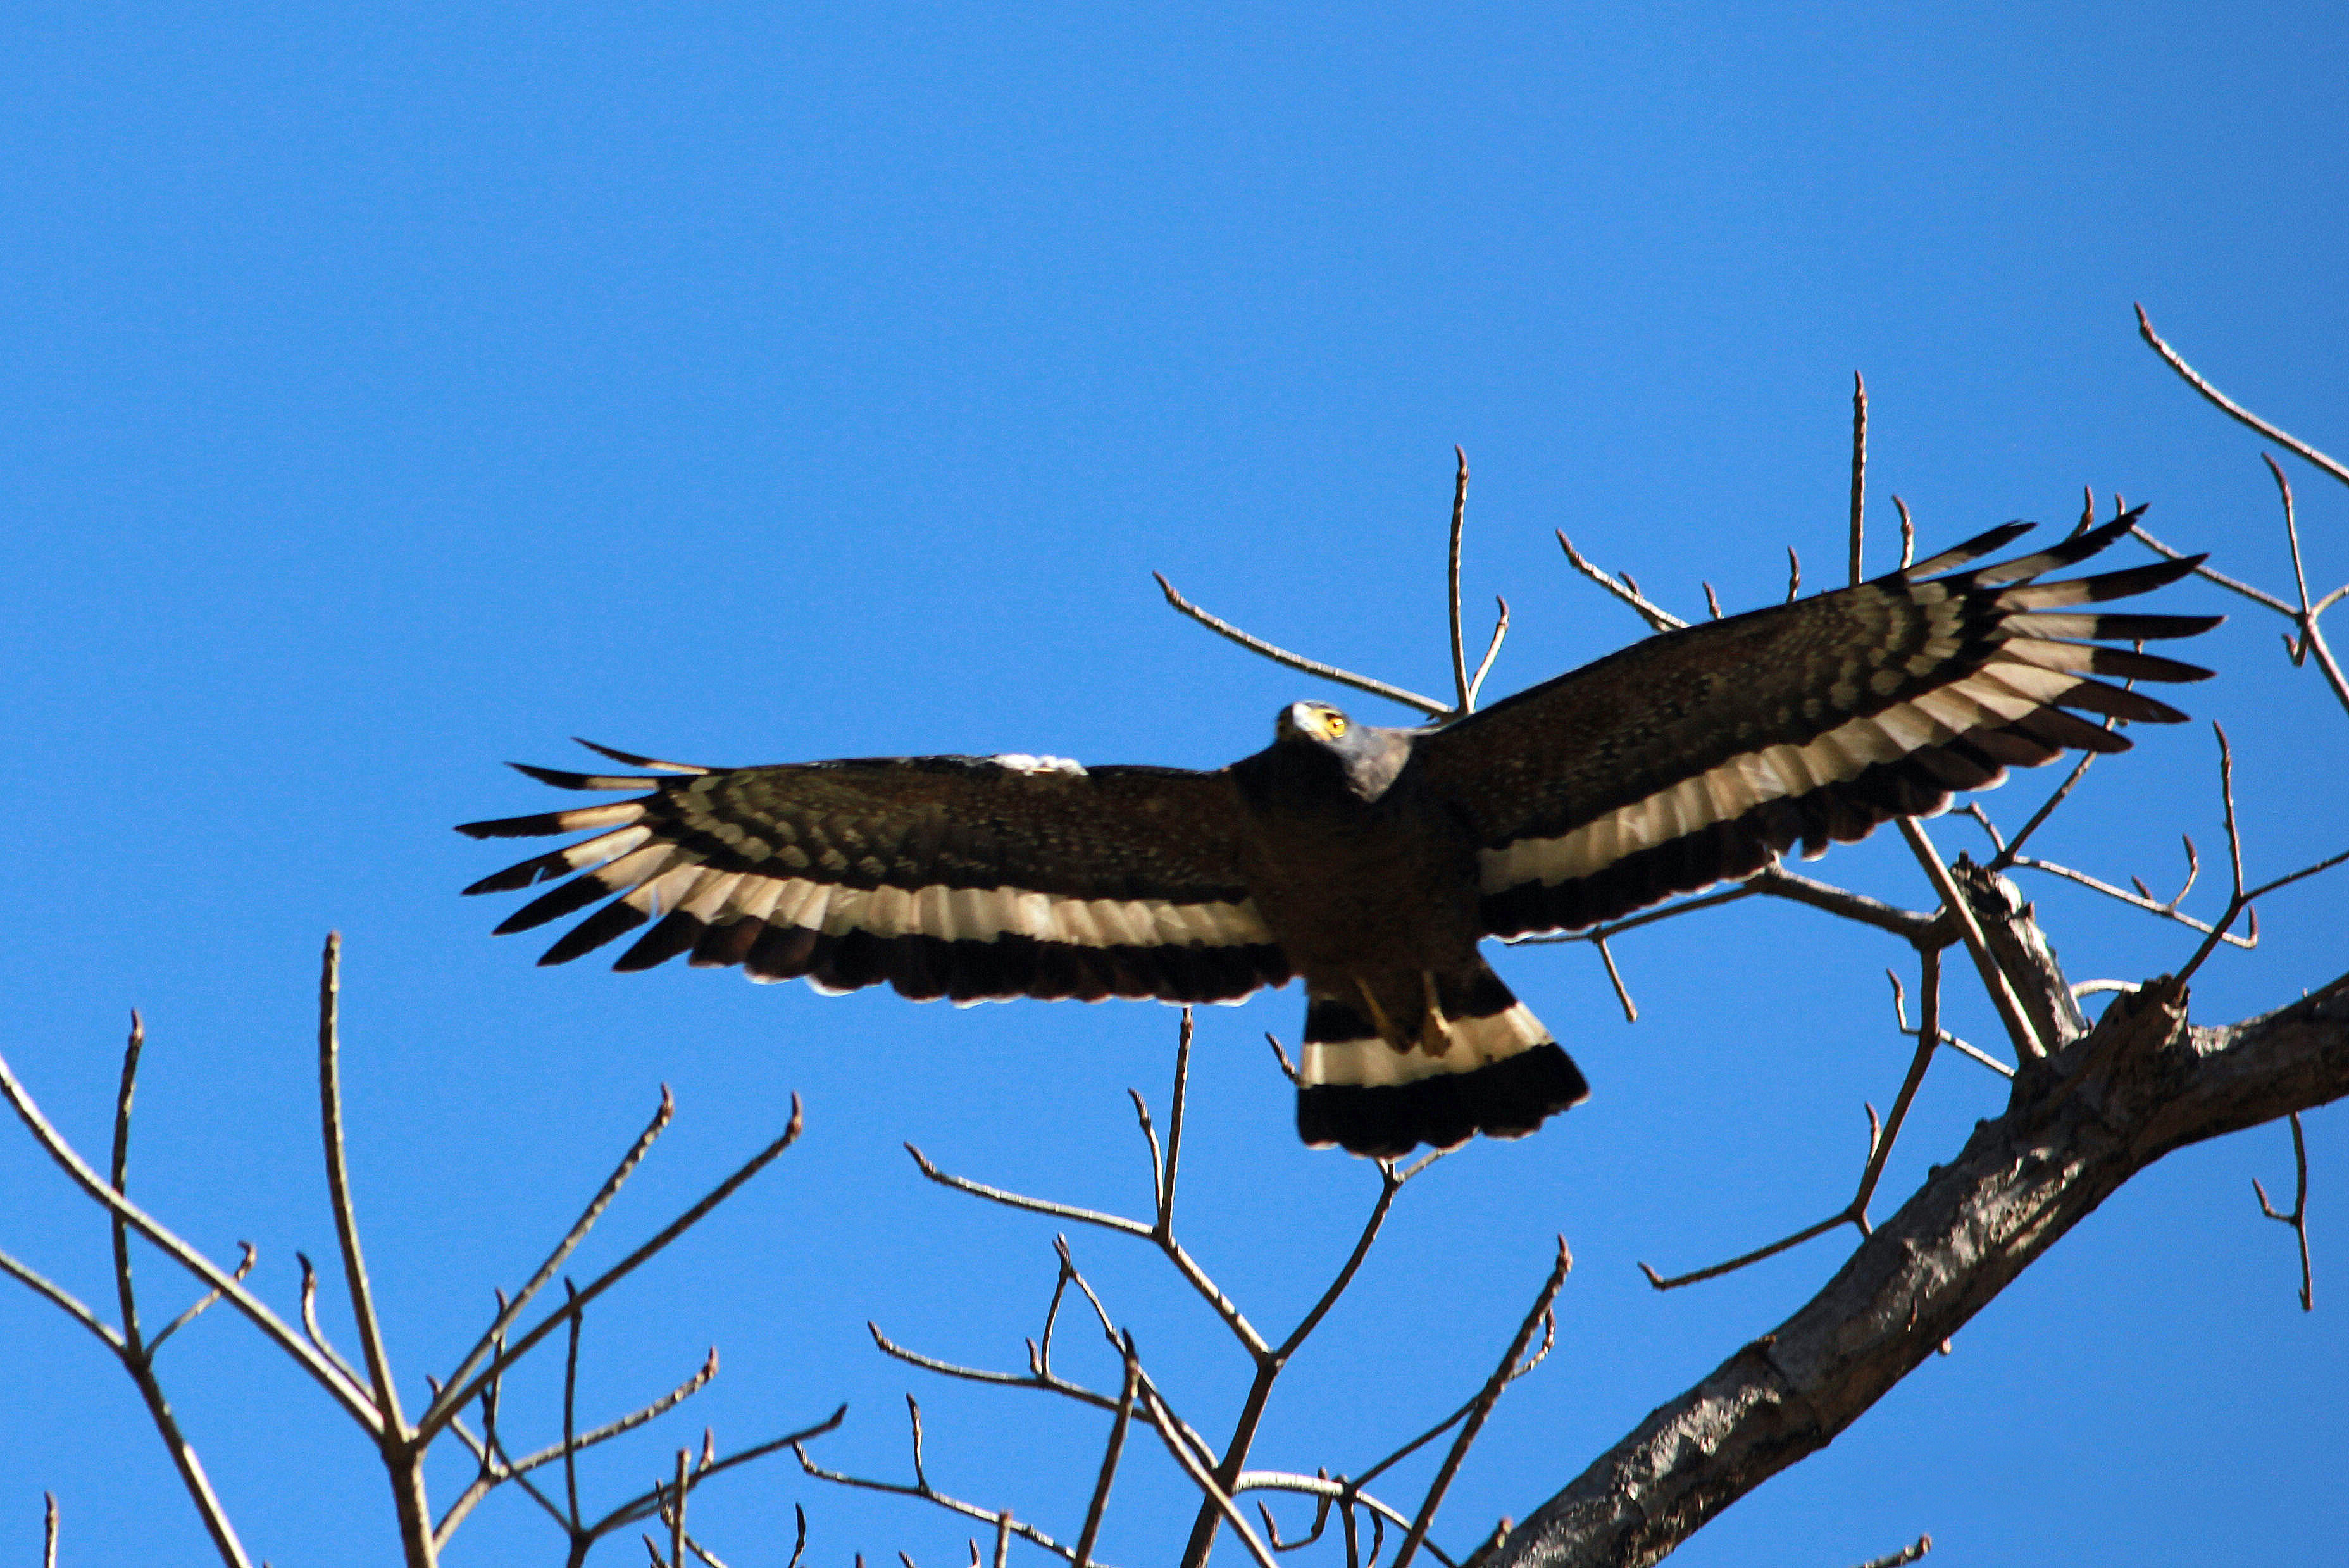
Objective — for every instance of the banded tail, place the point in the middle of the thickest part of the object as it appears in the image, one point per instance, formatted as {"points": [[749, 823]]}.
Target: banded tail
{"points": [[1481, 1062]]}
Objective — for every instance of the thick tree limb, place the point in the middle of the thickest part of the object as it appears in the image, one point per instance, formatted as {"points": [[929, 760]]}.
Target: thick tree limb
{"points": [[2139, 1084]]}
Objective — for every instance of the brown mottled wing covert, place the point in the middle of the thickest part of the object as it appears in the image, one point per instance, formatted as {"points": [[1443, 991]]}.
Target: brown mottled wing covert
{"points": [[1696, 756], [945, 876]]}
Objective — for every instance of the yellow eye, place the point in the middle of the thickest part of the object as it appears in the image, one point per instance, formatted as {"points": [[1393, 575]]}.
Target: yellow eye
{"points": [[1334, 723]]}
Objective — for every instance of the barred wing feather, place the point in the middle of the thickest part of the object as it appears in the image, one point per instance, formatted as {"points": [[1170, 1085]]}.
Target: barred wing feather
{"points": [[1697, 756], [964, 877]]}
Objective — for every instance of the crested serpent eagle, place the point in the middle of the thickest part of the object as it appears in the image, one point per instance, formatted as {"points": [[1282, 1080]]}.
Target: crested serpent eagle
{"points": [[1371, 861]]}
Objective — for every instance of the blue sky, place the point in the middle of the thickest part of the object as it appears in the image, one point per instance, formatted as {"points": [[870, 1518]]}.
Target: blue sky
{"points": [[393, 391]]}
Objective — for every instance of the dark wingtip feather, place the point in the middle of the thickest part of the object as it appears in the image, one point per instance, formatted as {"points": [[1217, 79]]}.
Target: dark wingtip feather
{"points": [[569, 899], [1966, 549], [532, 827], [677, 932], [537, 869], [563, 779], [633, 760], [594, 932]]}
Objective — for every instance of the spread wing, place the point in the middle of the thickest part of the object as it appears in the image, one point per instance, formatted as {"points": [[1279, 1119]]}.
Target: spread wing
{"points": [[1698, 755], [946, 876]]}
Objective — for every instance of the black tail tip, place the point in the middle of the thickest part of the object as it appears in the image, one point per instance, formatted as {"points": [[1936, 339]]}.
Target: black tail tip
{"points": [[1506, 1100]]}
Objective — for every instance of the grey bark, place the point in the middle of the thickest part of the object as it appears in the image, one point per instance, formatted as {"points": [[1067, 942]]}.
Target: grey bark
{"points": [[2141, 1083]]}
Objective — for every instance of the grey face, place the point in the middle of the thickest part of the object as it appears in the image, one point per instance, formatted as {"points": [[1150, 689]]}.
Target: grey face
{"points": [[1369, 755], [1316, 722]]}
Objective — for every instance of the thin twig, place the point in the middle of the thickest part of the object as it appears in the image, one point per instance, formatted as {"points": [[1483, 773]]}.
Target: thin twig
{"points": [[1858, 469], [2312, 635], [1777, 881], [338, 1186], [1179, 1098], [1492, 652], [2027, 1044], [2211, 574], [65, 1301], [1658, 619], [569, 1407], [1502, 1377], [1907, 534], [317, 1335], [1973, 1053], [644, 1505], [1880, 1138], [205, 1302], [627, 1423], [1540, 1355], [352, 1399], [1110, 1455], [1615, 977], [452, 1401], [1464, 693], [2298, 1218], [2165, 911], [1002, 1520], [2233, 409], [2014, 847], [510, 1312], [1929, 1040], [1225, 1309], [1345, 1494], [1204, 1479], [1223, 629]]}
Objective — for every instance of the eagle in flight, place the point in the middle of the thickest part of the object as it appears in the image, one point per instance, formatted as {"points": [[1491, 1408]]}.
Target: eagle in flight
{"points": [[1371, 860]]}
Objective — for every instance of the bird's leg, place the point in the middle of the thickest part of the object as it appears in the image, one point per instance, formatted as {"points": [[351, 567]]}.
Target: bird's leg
{"points": [[1435, 1028], [1379, 1019]]}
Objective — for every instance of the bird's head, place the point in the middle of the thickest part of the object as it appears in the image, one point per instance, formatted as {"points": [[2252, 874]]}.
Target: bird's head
{"points": [[1314, 723], [1368, 756]]}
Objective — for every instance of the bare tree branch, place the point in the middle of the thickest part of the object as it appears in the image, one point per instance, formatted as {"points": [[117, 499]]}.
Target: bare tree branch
{"points": [[2139, 1085], [1223, 629]]}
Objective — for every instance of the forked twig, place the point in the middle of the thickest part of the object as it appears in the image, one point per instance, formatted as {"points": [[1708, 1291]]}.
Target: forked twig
{"points": [[1880, 1137], [2028, 1045], [2242, 899], [1502, 1377], [2298, 1218], [454, 1397], [1658, 619], [510, 1312], [2304, 616], [1001, 1518]]}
